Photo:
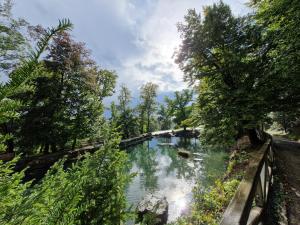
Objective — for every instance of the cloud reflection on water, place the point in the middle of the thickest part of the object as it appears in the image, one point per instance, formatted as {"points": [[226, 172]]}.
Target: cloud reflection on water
{"points": [[160, 169]]}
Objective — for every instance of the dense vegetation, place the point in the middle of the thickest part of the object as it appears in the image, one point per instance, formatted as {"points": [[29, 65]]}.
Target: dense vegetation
{"points": [[247, 67], [148, 115], [245, 73], [45, 105], [52, 101]]}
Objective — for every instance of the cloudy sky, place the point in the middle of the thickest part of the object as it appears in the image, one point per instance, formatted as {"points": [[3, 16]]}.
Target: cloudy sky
{"points": [[136, 38]]}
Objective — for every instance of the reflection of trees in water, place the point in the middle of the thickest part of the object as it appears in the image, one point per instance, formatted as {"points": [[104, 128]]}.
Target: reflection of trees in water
{"points": [[190, 144], [213, 167], [183, 170], [145, 159]]}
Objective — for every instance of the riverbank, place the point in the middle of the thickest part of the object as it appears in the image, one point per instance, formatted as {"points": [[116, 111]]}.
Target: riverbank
{"points": [[39, 164], [210, 203]]}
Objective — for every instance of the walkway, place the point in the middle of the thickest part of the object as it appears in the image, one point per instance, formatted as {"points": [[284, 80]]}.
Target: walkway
{"points": [[287, 154]]}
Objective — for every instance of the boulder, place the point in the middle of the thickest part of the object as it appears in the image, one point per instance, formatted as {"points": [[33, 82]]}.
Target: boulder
{"points": [[154, 206], [184, 153]]}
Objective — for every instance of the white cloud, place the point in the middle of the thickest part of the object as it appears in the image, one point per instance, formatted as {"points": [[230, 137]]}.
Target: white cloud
{"points": [[158, 37], [137, 38]]}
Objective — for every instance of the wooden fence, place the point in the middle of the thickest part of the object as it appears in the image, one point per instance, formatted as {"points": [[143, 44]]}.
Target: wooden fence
{"points": [[250, 200]]}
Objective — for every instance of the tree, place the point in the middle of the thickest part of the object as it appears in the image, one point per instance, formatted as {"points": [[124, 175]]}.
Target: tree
{"points": [[180, 107], [126, 120], [19, 82], [66, 101], [12, 43], [106, 82], [228, 55], [280, 19], [113, 114], [164, 117], [148, 102], [91, 191]]}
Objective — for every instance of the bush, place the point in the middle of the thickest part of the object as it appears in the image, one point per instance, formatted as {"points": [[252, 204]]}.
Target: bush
{"points": [[90, 192]]}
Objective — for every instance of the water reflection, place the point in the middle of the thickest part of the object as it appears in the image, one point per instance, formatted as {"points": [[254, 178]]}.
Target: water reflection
{"points": [[160, 169], [145, 165]]}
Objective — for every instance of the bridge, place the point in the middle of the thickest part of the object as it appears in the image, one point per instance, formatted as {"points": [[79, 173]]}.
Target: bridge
{"points": [[250, 202]]}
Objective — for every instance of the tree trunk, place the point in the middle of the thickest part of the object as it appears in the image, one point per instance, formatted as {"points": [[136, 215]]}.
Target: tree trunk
{"points": [[148, 123], [10, 146], [74, 143], [253, 136], [46, 149], [53, 148], [142, 126]]}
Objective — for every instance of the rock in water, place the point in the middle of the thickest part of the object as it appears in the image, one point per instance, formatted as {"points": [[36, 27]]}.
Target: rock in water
{"points": [[166, 144], [154, 206], [183, 153]]}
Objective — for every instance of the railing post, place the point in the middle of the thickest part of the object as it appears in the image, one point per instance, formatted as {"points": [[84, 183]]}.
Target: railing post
{"points": [[253, 189], [259, 196]]}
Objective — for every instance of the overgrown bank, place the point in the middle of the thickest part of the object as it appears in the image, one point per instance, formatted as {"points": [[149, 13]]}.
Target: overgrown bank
{"points": [[210, 203]]}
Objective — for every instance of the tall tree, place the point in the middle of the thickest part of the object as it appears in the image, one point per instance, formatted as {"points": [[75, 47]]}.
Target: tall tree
{"points": [[106, 82], [20, 82], [12, 43], [280, 19], [180, 107], [164, 117], [227, 54], [148, 102], [72, 196], [66, 102], [126, 120]]}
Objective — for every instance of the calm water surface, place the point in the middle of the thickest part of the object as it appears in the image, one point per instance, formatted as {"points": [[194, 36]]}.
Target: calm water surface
{"points": [[160, 169]]}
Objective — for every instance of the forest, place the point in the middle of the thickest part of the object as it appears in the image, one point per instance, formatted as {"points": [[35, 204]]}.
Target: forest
{"points": [[243, 76]]}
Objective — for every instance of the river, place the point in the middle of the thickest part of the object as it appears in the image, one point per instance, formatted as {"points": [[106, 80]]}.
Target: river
{"points": [[160, 169]]}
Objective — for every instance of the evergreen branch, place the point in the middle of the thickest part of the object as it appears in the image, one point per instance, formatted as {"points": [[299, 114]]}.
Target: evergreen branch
{"points": [[22, 74]]}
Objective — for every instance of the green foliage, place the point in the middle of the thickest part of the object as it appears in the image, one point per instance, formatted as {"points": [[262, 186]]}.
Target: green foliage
{"points": [[123, 115], [281, 21], [239, 63], [12, 42], [106, 82], [209, 204], [164, 117], [286, 120], [148, 105], [180, 107], [11, 189], [81, 194], [91, 191], [65, 104], [150, 219], [19, 82]]}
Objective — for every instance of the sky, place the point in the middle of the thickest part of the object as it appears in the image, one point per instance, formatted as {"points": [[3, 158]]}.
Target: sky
{"points": [[136, 38]]}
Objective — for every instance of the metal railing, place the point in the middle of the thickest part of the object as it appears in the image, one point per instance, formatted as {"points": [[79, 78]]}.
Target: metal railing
{"points": [[250, 200]]}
